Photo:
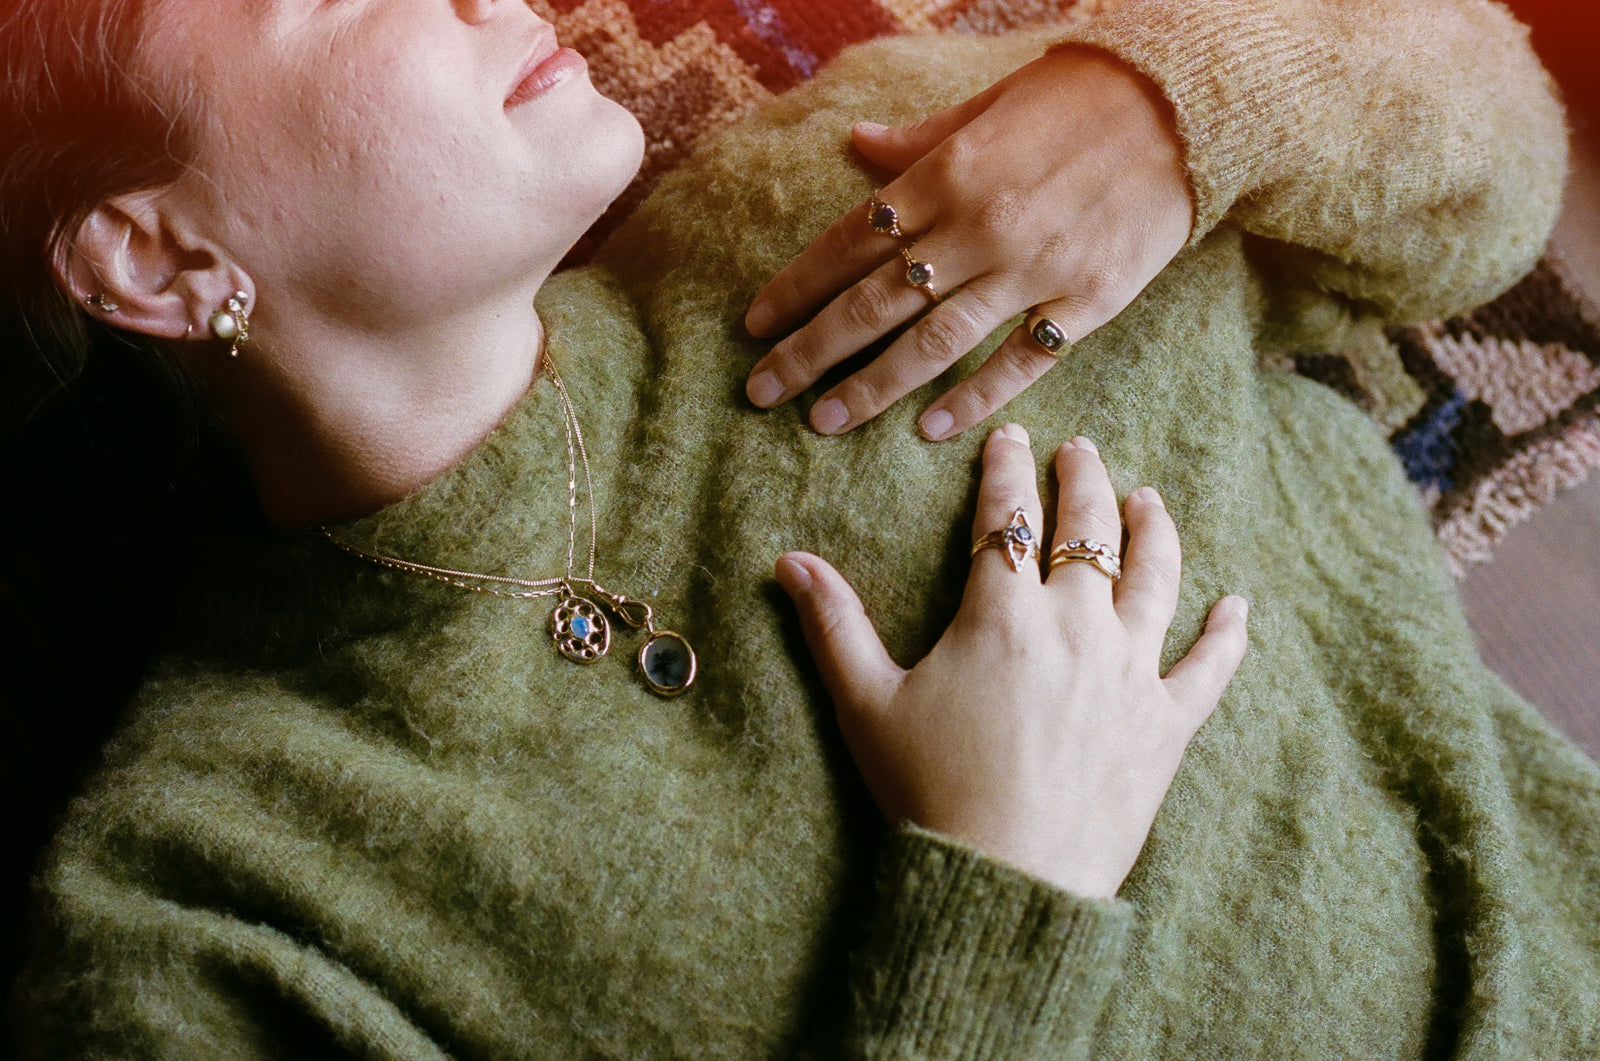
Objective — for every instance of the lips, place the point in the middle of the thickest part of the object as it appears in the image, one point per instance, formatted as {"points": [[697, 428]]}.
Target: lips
{"points": [[547, 65]]}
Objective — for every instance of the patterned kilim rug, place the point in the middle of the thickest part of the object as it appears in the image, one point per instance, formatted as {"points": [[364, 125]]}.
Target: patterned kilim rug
{"points": [[1492, 414]]}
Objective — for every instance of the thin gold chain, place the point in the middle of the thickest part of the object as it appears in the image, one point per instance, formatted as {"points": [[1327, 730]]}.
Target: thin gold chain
{"points": [[532, 588]]}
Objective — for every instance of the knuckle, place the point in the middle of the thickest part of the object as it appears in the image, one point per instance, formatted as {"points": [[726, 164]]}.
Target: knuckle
{"points": [[869, 305], [944, 337], [1053, 247], [1162, 578], [1020, 364], [797, 361], [951, 163], [998, 212], [869, 394], [979, 397], [1080, 636], [785, 289], [1082, 516], [1102, 291], [988, 391]]}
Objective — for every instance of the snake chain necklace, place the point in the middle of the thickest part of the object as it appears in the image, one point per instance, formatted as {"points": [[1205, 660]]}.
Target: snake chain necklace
{"points": [[578, 625]]}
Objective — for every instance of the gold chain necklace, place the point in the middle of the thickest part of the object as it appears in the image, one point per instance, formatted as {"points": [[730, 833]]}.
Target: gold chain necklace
{"points": [[578, 625]]}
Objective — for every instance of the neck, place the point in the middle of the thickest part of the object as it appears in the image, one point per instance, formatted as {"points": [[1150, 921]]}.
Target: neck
{"points": [[337, 422]]}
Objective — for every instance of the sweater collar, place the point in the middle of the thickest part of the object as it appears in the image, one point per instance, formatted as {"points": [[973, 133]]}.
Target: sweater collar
{"points": [[503, 509]]}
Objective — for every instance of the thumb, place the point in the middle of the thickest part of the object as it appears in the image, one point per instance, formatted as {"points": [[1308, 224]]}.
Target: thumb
{"points": [[854, 664], [898, 147]]}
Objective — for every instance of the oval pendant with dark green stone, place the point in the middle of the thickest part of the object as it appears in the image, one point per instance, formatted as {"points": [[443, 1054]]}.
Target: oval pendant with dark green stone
{"points": [[667, 662], [580, 630]]}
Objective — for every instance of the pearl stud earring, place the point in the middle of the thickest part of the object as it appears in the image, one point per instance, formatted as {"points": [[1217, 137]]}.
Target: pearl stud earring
{"points": [[231, 322]]}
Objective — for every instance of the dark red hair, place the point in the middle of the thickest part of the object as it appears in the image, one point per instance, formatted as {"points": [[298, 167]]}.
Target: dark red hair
{"points": [[76, 127]]}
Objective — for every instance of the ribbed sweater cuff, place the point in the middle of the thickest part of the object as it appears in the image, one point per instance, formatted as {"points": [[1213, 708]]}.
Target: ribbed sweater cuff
{"points": [[973, 959], [1236, 74]]}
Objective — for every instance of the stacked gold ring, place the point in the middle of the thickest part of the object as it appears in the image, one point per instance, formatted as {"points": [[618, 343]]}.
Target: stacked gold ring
{"points": [[883, 219], [1088, 551], [1016, 539]]}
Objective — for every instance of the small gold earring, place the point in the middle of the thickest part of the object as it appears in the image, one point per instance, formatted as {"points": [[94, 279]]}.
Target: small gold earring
{"points": [[232, 322]]}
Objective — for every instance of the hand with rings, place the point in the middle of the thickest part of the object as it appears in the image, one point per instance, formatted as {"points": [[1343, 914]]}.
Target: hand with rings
{"points": [[1059, 193], [1039, 729]]}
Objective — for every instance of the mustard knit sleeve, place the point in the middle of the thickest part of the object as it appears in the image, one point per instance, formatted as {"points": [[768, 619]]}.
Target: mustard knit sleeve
{"points": [[1410, 155]]}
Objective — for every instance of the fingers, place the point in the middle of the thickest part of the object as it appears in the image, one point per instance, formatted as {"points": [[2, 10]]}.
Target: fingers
{"points": [[854, 665], [883, 301], [929, 347], [1147, 593], [1009, 483], [1010, 370], [846, 251], [1196, 681], [1086, 508], [899, 147]]}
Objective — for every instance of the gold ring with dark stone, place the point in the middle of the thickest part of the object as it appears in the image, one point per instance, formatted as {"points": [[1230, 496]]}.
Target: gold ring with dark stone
{"points": [[919, 274], [1016, 539], [882, 218], [1048, 334]]}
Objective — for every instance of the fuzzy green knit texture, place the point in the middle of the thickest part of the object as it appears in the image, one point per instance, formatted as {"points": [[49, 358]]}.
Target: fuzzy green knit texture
{"points": [[356, 812]]}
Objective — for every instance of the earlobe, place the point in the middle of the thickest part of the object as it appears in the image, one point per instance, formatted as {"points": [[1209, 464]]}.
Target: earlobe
{"points": [[130, 269]]}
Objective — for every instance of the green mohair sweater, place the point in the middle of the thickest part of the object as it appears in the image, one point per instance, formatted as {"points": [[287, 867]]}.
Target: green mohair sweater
{"points": [[359, 813]]}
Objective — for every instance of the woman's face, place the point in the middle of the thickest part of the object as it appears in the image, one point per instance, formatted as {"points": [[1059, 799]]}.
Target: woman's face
{"points": [[379, 158]]}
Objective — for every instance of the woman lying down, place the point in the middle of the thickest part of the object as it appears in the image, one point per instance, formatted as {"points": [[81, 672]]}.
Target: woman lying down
{"points": [[496, 738]]}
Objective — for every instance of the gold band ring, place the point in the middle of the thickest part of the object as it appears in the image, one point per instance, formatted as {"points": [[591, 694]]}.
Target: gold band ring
{"points": [[882, 218], [919, 274], [1088, 551], [1016, 539], [1048, 334]]}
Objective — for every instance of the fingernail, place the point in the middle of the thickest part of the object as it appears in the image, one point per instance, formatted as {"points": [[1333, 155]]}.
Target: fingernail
{"points": [[870, 127], [1237, 607], [759, 320], [764, 389], [1147, 495], [793, 576], [829, 416], [1083, 443], [1016, 433], [936, 425]]}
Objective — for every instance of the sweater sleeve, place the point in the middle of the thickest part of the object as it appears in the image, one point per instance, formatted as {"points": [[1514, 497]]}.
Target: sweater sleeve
{"points": [[1407, 156], [972, 959]]}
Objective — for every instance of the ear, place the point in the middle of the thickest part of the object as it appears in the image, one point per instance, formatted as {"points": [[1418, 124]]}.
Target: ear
{"points": [[161, 281]]}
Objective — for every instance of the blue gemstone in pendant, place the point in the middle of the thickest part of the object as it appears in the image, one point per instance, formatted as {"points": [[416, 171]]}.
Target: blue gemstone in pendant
{"points": [[580, 627]]}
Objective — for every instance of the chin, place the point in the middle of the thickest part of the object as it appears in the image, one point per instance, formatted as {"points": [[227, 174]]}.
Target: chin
{"points": [[624, 137], [602, 146]]}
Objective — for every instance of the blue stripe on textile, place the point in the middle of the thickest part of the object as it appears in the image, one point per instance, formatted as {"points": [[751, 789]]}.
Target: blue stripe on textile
{"points": [[1427, 450], [767, 24]]}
